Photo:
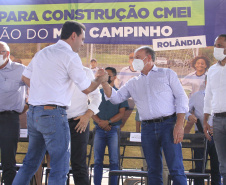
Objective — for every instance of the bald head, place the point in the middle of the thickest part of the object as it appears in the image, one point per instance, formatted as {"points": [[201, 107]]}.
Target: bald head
{"points": [[5, 46]]}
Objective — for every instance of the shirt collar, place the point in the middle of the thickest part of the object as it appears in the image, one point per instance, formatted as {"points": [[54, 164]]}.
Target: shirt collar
{"points": [[154, 68], [65, 44], [8, 65]]}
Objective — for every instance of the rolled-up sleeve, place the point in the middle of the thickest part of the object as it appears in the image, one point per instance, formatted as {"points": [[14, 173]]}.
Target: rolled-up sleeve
{"points": [[94, 97], [208, 98], [77, 74], [28, 70]]}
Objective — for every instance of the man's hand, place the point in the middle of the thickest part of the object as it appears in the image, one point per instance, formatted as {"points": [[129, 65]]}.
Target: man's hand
{"points": [[104, 125], [192, 118], [208, 130], [83, 122], [100, 72], [178, 133]]}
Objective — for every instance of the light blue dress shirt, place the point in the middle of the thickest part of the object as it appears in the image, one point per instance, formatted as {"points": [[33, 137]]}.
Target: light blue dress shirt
{"points": [[12, 88], [196, 104], [157, 94]]}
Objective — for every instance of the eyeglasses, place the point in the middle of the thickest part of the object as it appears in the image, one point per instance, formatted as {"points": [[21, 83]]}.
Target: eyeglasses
{"points": [[2, 52]]}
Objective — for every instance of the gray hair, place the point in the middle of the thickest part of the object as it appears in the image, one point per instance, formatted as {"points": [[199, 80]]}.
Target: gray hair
{"points": [[5, 45], [148, 50]]}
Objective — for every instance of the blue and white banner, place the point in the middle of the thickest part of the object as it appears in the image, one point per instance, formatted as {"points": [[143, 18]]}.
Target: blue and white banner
{"points": [[113, 21]]}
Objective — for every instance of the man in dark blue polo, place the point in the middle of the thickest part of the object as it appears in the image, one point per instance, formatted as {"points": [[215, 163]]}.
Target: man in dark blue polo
{"points": [[107, 122]]}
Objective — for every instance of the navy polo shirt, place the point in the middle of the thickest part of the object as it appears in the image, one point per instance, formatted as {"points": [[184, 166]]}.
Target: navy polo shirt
{"points": [[108, 110]]}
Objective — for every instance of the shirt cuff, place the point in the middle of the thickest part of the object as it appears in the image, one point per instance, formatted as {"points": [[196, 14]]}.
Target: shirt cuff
{"points": [[84, 85], [27, 73], [113, 93], [93, 108], [187, 115]]}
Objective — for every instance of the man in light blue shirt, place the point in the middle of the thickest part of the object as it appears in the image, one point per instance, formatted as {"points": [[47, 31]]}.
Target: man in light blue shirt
{"points": [[196, 104], [12, 102], [162, 104]]}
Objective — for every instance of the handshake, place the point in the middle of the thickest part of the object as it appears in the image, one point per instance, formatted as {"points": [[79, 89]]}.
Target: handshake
{"points": [[101, 75]]}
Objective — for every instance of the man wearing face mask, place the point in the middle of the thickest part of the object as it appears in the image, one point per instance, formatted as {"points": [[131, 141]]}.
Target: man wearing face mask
{"points": [[162, 104], [107, 122], [12, 103], [215, 102]]}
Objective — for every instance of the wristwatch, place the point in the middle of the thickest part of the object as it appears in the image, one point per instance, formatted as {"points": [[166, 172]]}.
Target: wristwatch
{"points": [[109, 122]]}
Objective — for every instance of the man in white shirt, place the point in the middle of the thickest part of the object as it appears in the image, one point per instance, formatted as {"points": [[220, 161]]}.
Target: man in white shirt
{"points": [[215, 102], [50, 75], [162, 104], [79, 113]]}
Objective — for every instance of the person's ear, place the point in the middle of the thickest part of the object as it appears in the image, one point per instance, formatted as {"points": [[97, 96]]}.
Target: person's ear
{"points": [[73, 36], [149, 58], [7, 54]]}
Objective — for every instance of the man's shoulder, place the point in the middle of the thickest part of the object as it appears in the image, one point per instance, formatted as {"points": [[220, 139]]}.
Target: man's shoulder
{"points": [[213, 67], [16, 65]]}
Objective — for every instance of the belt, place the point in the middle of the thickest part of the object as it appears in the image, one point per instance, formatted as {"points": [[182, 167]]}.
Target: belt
{"points": [[72, 119], [158, 120], [9, 112], [222, 114], [51, 107]]}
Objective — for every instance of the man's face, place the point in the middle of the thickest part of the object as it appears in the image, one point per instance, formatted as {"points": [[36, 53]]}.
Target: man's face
{"points": [[111, 75], [220, 42], [4, 52], [78, 41], [93, 64], [141, 54]]}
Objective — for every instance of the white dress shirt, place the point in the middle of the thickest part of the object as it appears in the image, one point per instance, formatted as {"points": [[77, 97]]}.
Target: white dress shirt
{"points": [[157, 94], [52, 72], [79, 100], [215, 101]]}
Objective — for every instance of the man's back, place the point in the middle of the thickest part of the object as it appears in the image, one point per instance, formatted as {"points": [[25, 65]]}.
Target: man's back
{"points": [[52, 69]]}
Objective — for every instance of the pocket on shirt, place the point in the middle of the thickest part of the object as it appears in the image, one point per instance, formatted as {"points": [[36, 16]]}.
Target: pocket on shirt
{"points": [[10, 85]]}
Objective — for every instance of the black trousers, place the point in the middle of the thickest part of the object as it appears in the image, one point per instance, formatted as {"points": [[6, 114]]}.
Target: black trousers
{"points": [[79, 143], [9, 135]]}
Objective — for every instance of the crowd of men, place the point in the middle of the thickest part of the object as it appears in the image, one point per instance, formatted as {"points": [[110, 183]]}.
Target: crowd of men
{"points": [[64, 95]]}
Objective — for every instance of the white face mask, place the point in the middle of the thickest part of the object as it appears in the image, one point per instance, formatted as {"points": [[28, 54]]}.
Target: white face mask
{"points": [[2, 61], [219, 53], [138, 64]]}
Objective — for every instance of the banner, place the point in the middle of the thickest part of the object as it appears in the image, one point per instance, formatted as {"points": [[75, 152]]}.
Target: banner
{"points": [[114, 22]]}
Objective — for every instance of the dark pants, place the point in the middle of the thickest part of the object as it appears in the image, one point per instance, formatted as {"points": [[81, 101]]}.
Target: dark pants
{"points": [[79, 143], [214, 164], [9, 135]]}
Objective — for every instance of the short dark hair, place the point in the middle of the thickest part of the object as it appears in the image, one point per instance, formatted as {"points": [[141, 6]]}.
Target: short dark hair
{"points": [[201, 57], [93, 59], [71, 26], [223, 35], [148, 50], [113, 70]]}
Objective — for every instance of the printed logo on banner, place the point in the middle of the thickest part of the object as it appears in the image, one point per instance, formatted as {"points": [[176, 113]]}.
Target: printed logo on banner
{"points": [[179, 43]]}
